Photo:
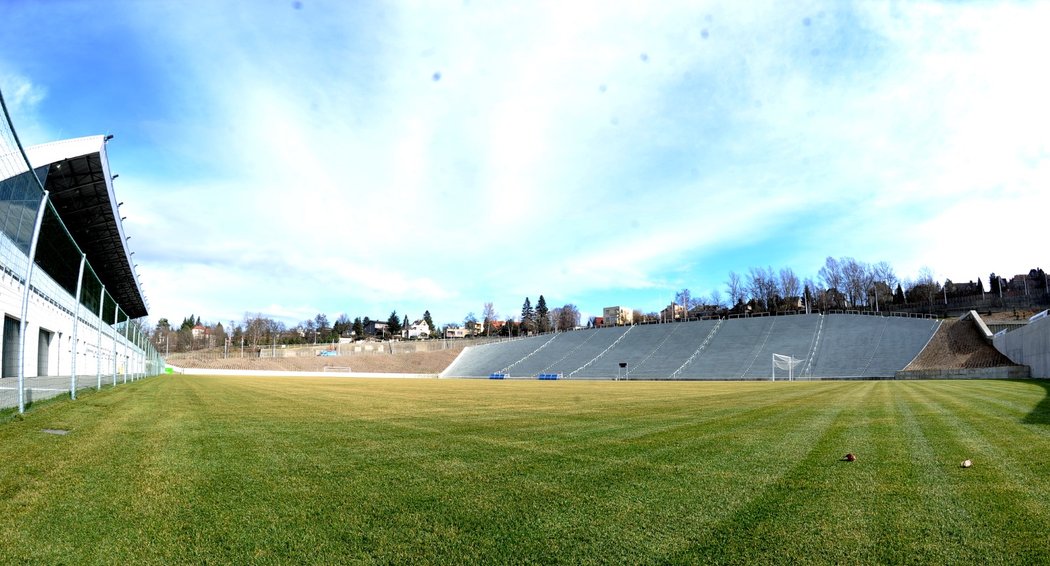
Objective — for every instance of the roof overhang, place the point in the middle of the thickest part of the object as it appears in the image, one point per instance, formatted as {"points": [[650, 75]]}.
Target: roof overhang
{"points": [[76, 175]]}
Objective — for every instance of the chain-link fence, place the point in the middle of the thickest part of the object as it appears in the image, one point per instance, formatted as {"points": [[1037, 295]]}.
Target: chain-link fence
{"points": [[63, 331]]}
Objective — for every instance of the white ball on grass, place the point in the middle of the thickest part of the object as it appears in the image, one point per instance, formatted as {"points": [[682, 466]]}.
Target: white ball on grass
{"points": [[966, 463]]}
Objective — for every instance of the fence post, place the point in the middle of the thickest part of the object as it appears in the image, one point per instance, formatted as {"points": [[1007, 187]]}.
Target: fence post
{"points": [[23, 325], [98, 344], [76, 323]]}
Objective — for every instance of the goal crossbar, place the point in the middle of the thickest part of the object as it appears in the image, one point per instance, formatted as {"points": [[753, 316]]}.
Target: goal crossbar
{"points": [[787, 363]]}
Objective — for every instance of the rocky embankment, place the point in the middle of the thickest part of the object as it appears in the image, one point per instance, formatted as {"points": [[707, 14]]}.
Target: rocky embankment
{"points": [[958, 344]]}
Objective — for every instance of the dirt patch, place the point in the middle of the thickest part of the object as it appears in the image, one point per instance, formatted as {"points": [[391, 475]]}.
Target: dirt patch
{"points": [[415, 362]]}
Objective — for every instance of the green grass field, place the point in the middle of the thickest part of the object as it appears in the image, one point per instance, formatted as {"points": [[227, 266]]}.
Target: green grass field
{"points": [[180, 469]]}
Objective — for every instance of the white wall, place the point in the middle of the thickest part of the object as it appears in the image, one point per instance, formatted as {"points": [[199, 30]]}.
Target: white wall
{"points": [[1028, 345]]}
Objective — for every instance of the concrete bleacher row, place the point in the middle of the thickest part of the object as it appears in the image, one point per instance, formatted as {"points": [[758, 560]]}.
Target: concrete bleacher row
{"points": [[831, 346]]}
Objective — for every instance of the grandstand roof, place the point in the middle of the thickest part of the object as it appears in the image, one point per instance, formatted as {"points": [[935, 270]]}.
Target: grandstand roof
{"points": [[76, 174]]}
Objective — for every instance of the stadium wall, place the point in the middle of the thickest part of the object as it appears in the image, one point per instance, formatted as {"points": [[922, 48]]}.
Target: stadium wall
{"points": [[58, 335], [1028, 345]]}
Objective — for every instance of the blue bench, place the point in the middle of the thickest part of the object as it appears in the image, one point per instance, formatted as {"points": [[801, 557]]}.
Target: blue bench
{"points": [[497, 375], [548, 376]]}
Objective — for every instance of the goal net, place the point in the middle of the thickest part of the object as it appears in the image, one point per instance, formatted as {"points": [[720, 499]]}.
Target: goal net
{"points": [[785, 364]]}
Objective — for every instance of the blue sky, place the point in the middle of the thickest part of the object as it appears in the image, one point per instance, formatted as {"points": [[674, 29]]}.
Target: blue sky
{"points": [[290, 158]]}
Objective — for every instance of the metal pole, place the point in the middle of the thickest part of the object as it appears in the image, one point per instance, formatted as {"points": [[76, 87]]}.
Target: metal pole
{"points": [[116, 318], [76, 323], [98, 348], [127, 358], [23, 326]]}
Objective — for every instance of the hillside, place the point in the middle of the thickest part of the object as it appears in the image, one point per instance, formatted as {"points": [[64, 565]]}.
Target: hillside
{"points": [[414, 362]]}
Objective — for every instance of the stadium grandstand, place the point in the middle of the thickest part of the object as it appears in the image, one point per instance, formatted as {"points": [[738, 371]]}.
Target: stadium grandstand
{"points": [[68, 288], [824, 346]]}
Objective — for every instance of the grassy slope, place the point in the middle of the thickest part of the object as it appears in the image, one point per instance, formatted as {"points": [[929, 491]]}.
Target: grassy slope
{"points": [[183, 469]]}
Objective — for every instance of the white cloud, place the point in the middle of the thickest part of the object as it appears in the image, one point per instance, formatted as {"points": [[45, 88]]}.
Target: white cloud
{"points": [[341, 157]]}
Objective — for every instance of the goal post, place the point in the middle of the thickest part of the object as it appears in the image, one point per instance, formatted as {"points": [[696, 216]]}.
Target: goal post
{"points": [[787, 363]]}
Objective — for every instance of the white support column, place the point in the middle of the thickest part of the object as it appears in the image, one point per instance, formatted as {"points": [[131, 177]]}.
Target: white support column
{"points": [[98, 349], [116, 315], [23, 325], [76, 323], [127, 358]]}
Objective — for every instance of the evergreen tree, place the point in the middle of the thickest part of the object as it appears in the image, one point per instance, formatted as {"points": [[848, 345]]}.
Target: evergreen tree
{"points": [[528, 315], [405, 325], [393, 324], [898, 295], [543, 321], [430, 322], [359, 328]]}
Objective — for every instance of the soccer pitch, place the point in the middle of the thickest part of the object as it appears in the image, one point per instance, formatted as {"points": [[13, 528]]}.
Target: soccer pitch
{"points": [[180, 469]]}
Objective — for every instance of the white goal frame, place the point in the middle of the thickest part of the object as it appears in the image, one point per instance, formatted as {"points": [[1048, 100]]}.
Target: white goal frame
{"points": [[785, 362]]}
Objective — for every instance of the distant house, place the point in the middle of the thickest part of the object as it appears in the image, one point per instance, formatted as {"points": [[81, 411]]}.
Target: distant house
{"points": [[418, 329], [617, 316], [375, 328], [455, 332], [672, 312]]}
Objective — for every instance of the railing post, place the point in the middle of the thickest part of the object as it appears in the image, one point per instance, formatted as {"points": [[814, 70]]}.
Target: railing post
{"points": [[76, 323], [23, 324]]}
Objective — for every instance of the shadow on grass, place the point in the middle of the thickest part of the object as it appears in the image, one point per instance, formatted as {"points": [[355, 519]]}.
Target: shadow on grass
{"points": [[1041, 413], [10, 414]]}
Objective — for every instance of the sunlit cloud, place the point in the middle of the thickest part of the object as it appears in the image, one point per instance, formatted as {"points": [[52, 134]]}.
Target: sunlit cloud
{"points": [[347, 158]]}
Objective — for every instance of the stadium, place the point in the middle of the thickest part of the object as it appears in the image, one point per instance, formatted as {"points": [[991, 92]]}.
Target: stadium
{"points": [[810, 438], [69, 293]]}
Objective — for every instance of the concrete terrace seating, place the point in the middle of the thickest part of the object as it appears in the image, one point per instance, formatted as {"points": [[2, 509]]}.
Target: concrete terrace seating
{"points": [[566, 344], [833, 346], [869, 346], [732, 350], [632, 349], [679, 341], [791, 336], [480, 361], [604, 337]]}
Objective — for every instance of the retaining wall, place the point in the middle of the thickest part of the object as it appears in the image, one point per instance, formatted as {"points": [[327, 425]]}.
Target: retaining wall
{"points": [[1005, 372], [1028, 346]]}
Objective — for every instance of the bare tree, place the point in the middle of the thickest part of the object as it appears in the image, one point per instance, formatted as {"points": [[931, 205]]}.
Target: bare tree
{"points": [[716, 299], [808, 289], [831, 276], [790, 288], [488, 316], [762, 286], [855, 277], [883, 282], [568, 317], [735, 288], [926, 286], [685, 298]]}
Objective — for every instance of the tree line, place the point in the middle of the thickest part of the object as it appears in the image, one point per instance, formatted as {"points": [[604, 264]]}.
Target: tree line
{"points": [[845, 283], [533, 319], [256, 331]]}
